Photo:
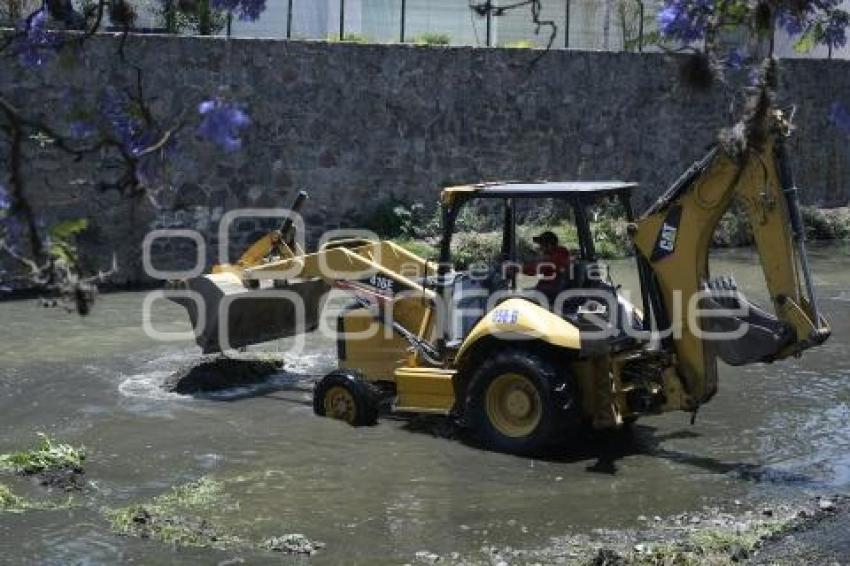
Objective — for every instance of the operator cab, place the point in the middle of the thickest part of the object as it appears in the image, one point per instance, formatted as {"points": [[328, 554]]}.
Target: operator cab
{"points": [[579, 289]]}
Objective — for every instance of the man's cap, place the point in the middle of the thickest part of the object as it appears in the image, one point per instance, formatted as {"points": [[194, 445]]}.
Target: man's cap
{"points": [[547, 237]]}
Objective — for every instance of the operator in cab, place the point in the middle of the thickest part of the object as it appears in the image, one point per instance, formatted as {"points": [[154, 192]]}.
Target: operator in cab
{"points": [[553, 265]]}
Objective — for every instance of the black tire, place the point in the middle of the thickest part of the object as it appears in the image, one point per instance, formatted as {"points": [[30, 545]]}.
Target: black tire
{"points": [[363, 398], [555, 392]]}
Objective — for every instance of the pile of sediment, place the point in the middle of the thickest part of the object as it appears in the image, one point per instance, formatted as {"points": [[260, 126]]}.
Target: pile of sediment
{"points": [[217, 372]]}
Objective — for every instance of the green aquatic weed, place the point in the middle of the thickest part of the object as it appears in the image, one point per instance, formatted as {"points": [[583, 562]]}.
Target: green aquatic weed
{"points": [[48, 455], [11, 503], [173, 517], [8, 500]]}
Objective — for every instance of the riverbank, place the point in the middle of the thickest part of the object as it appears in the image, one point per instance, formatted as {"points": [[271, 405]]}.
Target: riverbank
{"points": [[777, 533]]}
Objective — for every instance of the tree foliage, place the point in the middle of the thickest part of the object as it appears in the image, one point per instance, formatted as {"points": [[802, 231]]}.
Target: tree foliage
{"points": [[118, 123]]}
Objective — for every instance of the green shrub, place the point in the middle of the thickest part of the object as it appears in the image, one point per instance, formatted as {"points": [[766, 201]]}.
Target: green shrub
{"points": [[476, 248], [821, 224], [733, 230], [63, 237], [432, 38], [826, 223], [470, 248], [473, 219], [419, 247], [611, 238], [395, 218]]}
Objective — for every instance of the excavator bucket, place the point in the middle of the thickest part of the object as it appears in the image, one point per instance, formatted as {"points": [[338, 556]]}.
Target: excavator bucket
{"points": [[226, 314], [228, 311]]}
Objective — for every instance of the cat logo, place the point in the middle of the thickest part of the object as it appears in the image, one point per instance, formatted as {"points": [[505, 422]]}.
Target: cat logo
{"points": [[668, 237], [666, 242]]}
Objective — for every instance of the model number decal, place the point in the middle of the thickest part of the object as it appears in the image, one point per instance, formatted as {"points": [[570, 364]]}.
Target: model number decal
{"points": [[505, 316], [381, 283]]}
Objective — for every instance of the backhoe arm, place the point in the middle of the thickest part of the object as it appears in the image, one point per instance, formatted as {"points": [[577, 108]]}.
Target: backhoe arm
{"points": [[380, 273], [673, 240]]}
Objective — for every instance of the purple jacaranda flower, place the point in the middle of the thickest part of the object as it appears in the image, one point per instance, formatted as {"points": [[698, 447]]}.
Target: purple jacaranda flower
{"points": [[793, 24], [839, 116], [735, 58], [80, 129], [835, 29], [12, 232], [115, 108], [824, 18], [5, 198], [37, 45], [685, 20], [248, 10], [221, 122]]}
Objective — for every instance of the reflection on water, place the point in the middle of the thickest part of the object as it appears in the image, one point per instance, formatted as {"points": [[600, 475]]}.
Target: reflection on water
{"points": [[386, 492]]}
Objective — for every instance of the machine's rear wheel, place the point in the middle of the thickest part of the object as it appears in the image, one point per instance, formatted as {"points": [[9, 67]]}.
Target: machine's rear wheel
{"points": [[346, 396], [519, 401]]}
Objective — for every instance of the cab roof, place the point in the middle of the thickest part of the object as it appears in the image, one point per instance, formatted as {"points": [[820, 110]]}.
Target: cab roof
{"points": [[541, 189]]}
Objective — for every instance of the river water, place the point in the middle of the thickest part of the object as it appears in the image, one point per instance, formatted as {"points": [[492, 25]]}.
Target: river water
{"points": [[381, 494]]}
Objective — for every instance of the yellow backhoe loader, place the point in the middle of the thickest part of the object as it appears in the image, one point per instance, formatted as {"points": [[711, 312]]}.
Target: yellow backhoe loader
{"points": [[520, 367]]}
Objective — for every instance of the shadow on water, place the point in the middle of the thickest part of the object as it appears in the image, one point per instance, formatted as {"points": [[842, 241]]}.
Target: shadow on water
{"points": [[602, 450], [608, 448]]}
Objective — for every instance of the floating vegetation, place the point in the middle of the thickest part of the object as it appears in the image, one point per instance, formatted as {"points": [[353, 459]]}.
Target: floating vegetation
{"points": [[293, 544], [9, 501], [203, 493], [174, 517], [56, 464], [184, 516], [150, 521], [48, 456]]}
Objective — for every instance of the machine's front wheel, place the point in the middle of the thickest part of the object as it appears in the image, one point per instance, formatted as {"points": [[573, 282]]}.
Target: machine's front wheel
{"points": [[345, 395], [518, 401]]}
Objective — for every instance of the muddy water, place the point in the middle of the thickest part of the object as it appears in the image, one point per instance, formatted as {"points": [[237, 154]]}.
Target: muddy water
{"points": [[379, 495]]}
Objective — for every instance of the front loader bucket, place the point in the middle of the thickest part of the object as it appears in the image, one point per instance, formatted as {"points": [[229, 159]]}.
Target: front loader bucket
{"points": [[235, 316]]}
